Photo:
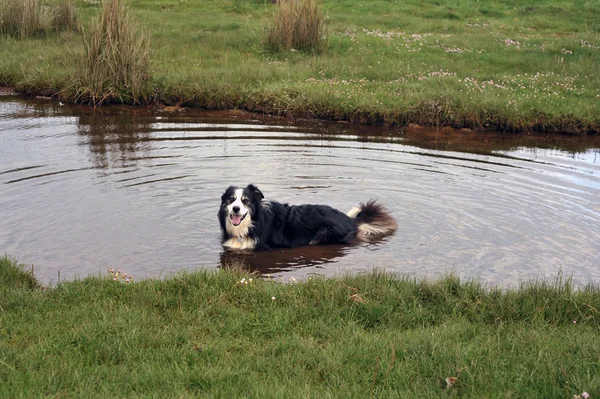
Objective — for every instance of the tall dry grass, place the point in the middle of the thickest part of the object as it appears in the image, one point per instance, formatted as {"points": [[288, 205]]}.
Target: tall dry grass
{"points": [[65, 16], [32, 18], [297, 24], [116, 64], [21, 18]]}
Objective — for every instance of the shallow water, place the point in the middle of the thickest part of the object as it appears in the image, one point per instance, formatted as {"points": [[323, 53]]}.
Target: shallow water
{"points": [[138, 190]]}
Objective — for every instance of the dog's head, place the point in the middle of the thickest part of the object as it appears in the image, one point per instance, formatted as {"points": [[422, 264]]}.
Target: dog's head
{"points": [[239, 205]]}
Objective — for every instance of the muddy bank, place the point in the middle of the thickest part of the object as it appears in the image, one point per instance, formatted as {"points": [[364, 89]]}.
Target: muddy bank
{"points": [[423, 115]]}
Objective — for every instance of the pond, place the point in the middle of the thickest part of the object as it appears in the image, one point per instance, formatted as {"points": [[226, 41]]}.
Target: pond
{"points": [[135, 189]]}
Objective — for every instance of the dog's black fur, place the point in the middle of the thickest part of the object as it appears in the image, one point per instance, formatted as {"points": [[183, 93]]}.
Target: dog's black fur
{"points": [[276, 225]]}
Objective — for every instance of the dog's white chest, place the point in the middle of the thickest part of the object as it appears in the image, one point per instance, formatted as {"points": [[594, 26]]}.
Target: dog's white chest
{"points": [[239, 235]]}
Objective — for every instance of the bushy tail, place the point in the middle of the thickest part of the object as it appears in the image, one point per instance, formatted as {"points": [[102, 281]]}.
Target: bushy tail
{"points": [[372, 219]]}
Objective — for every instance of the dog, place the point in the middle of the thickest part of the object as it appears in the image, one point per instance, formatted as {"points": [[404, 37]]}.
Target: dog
{"points": [[249, 223]]}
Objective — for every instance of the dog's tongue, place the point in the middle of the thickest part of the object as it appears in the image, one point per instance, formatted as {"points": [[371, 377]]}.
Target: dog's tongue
{"points": [[236, 219]]}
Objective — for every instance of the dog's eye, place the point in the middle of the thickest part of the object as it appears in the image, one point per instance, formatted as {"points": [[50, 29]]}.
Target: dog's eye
{"points": [[245, 201], [231, 199]]}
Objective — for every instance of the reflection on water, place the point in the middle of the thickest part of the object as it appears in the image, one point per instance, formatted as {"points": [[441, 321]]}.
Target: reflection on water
{"points": [[115, 140], [84, 190], [279, 261]]}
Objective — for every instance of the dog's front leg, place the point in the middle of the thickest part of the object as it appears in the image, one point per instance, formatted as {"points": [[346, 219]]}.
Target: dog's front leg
{"points": [[261, 246]]}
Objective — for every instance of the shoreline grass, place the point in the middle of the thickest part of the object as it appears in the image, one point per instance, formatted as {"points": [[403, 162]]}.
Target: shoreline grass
{"points": [[218, 334], [478, 64]]}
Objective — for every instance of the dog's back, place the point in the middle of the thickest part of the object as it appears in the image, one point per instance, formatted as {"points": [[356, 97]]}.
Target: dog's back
{"points": [[291, 226]]}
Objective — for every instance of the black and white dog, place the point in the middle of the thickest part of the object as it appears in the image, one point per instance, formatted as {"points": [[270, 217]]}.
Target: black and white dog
{"points": [[250, 223]]}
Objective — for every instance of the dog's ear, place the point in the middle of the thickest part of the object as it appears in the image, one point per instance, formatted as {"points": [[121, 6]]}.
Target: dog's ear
{"points": [[227, 193], [254, 189]]}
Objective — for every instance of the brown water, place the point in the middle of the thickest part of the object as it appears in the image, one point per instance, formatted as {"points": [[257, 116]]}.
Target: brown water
{"points": [[84, 191]]}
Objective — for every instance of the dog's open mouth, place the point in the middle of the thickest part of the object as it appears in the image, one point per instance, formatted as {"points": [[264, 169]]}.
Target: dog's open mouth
{"points": [[237, 219]]}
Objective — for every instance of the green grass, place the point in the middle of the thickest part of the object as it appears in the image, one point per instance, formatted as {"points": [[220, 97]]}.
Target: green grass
{"points": [[13, 276], [206, 334], [505, 65]]}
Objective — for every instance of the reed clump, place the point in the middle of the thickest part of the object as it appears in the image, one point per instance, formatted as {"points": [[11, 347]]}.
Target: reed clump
{"points": [[298, 25], [116, 63], [65, 16], [24, 19]]}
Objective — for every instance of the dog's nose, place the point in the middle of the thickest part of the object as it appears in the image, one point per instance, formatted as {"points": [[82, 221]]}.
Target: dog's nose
{"points": [[236, 209]]}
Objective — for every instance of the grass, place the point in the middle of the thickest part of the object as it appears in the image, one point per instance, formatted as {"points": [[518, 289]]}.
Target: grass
{"points": [[210, 334], [23, 19], [14, 276], [496, 65], [297, 25], [65, 16], [117, 58]]}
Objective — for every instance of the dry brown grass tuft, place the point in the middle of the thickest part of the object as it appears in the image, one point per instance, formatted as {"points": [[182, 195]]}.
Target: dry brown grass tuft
{"points": [[65, 16], [32, 18], [21, 18], [298, 25], [117, 58]]}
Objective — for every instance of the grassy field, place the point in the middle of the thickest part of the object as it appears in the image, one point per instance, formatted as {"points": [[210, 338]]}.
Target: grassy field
{"points": [[505, 65], [210, 334]]}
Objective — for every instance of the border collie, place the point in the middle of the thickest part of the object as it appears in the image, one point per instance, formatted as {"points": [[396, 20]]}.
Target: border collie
{"points": [[250, 223]]}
